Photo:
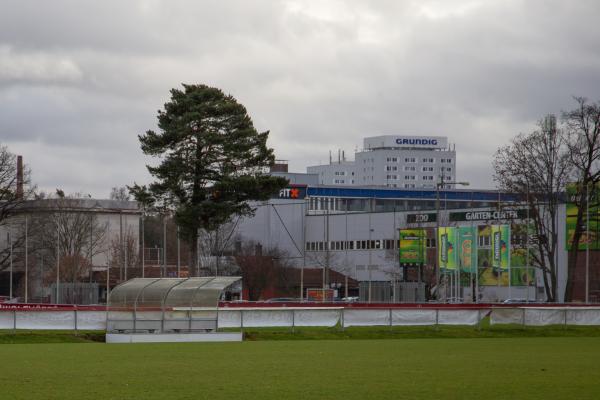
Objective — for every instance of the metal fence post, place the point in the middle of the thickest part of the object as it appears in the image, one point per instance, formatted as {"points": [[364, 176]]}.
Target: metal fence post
{"points": [[242, 319], [524, 325], [390, 317], [75, 321], [342, 317], [437, 318], [565, 310], [479, 319], [293, 320], [217, 321], [14, 320]]}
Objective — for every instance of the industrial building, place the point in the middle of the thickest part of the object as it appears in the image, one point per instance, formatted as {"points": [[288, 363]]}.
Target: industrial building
{"points": [[407, 162], [354, 231]]}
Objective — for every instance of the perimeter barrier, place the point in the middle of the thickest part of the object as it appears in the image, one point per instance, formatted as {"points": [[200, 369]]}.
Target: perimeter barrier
{"points": [[94, 318]]}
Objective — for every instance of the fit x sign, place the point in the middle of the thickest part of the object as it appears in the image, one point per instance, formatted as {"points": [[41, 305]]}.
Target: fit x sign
{"points": [[293, 192]]}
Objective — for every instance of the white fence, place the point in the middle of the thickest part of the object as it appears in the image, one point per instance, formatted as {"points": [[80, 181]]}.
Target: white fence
{"points": [[326, 317], [541, 316]]}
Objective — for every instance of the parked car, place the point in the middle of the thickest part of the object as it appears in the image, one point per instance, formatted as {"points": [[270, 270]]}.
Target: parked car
{"points": [[282, 300]]}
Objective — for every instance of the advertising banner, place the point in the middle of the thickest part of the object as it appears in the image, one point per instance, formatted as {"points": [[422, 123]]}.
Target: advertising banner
{"points": [[447, 254], [412, 246], [467, 248], [591, 234], [500, 246]]}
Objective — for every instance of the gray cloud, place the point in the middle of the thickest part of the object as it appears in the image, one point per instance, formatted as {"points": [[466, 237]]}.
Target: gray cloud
{"points": [[80, 80]]}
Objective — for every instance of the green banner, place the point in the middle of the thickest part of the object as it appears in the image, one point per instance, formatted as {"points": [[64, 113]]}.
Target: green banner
{"points": [[500, 246], [447, 252], [591, 234], [412, 246], [467, 248]]}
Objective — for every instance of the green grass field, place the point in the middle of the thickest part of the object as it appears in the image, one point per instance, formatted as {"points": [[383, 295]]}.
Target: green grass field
{"points": [[456, 368]]}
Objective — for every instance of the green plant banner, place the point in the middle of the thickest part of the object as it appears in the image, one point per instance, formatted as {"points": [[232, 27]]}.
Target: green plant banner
{"points": [[590, 236], [447, 252], [500, 236], [520, 273], [412, 246], [467, 248]]}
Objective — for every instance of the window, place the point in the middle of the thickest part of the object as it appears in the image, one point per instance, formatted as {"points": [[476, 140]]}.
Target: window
{"points": [[410, 177], [392, 159], [428, 177], [428, 160], [340, 173], [484, 241], [409, 185], [410, 160], [406, 168], [427, 169], [391, 168]]}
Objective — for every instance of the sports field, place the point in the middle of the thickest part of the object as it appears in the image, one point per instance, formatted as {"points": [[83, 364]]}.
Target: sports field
{"points": [[495, 368]]}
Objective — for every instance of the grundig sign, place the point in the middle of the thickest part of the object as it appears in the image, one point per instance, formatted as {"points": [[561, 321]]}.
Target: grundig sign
{"points": [[423, 142]]}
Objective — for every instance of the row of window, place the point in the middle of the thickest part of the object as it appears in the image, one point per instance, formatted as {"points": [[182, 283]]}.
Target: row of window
{"points": [[412, 160], [391, 244], [377, 244], [414, 177]]}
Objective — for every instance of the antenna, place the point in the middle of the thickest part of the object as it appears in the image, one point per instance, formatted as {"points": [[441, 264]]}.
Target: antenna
{"points": [[329, 156]]}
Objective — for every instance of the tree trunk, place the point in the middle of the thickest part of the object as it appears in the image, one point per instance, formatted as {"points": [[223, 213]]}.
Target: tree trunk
{"points": [[573, 254]]}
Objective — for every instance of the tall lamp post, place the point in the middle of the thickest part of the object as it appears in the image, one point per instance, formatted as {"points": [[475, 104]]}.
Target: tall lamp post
{"points": [[440, 184]]}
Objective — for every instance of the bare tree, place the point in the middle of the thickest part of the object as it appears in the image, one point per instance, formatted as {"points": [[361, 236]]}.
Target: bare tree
{"points": [[215, 248], [124, 255], [67, 228], [11, 199], [263, 269], [536, 167], [120, 193], [582, 127]]}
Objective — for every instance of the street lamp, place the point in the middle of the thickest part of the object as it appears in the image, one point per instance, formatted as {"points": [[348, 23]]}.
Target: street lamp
{"points": [[437, 225]]}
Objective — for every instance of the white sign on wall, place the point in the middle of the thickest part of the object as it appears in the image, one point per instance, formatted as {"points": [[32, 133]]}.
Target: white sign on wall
{"points": [[426, 142]]}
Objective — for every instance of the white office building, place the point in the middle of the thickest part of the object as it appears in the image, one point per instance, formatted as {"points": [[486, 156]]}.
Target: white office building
{"points": [[406, 162]]}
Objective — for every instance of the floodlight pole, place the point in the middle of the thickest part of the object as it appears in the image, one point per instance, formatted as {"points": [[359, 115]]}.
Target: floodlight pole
{"points": [[10, 294], [26, 261], [587, 247]]}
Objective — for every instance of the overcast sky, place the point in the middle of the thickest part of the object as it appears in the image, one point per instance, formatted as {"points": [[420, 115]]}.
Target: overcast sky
{"points": [[79, 80]]}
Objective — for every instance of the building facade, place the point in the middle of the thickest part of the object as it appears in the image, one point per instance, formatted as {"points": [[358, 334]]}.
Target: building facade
{"points": [[407, 162], [355, 231]]}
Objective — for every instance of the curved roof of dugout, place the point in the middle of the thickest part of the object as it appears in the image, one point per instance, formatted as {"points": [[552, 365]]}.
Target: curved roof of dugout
{"points": [[169, 293]]}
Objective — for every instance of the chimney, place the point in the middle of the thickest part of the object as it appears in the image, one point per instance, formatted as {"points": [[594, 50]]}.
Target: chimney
{"points": [[19, 177], [279, 166]]}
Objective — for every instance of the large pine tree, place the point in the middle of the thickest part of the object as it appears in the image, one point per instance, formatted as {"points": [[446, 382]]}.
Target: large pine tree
{"points": [[212, 160]]}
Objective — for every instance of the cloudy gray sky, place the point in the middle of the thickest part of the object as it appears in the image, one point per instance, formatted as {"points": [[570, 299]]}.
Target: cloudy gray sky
{"points": [[79, 80]]}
